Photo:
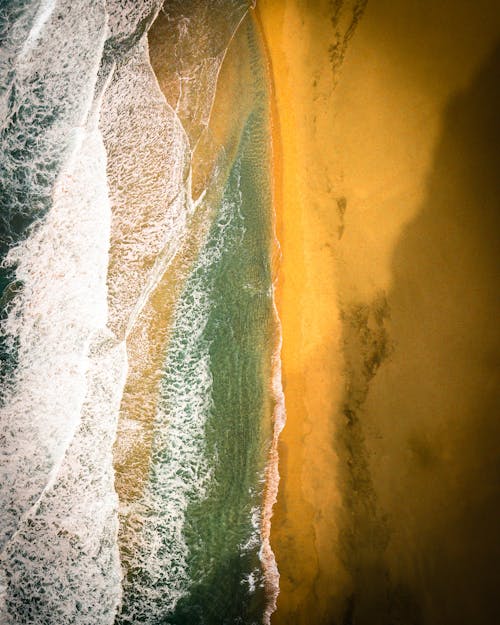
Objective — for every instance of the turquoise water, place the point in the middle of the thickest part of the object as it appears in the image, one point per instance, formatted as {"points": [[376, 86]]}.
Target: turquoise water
{"points": [[238, 335], [213, 430], [195, 556]]}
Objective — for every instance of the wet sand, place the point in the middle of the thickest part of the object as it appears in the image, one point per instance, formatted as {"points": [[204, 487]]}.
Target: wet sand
{"points": [[303, 524]]}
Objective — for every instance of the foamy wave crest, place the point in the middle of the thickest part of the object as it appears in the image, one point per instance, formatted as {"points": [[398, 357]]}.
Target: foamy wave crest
{"points": [[148, 172], [59, 527], [61, 266], [62, 565], [58, 320], [49, 88], [128, 21], [179, 471], [269, 565], [17, 20]]}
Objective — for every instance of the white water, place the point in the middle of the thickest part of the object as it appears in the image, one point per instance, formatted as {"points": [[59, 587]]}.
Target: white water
{"points": [[270, 567], [44, 12], [59, 523], [63, 267], [64, 365], [73, 316], [148, 173]]}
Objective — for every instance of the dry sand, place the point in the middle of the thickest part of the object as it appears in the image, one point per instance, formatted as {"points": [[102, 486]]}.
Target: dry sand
{"points": [[387, 291]]}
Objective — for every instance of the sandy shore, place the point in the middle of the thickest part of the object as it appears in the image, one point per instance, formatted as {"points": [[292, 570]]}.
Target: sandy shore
{"points": [[375, 224], [303, 524], [384, 189]]}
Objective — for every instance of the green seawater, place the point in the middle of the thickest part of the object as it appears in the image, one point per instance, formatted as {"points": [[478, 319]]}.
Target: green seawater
{"points": [[214, 426], [239, 331]]}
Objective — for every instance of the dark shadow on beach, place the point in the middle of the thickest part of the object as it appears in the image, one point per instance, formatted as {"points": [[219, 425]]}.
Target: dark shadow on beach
{"points": [[420, 438]]}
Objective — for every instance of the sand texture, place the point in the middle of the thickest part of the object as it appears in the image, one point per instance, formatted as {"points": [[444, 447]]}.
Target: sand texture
{"points": [[388, 224]]}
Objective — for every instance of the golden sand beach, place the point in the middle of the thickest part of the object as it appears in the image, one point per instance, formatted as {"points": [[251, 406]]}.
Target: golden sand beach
{"points": [[303, 523], [356, 120], [376, 230]]}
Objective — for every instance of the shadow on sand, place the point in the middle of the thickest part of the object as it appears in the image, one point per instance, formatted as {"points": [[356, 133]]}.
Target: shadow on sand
{"points": [[421, 434]]}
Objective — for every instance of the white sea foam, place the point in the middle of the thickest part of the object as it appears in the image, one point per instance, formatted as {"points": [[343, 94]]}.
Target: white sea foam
{"points": [[251, 581], [269, 564], [254, 539], [179, 471], [53, 74], [60, 558], [270, 567], [63, 562], [44, 12], [62, 267], [126, 16], [61, 421], [148, 172], [16, 26]]}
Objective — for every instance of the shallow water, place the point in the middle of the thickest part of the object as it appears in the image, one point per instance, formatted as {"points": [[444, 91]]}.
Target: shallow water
{"points": [[97, 211], [197, 558]]}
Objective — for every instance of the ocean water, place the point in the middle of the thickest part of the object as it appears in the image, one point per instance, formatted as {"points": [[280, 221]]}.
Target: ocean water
{"points": [[96, 207], [199, 558], [198, 553]]}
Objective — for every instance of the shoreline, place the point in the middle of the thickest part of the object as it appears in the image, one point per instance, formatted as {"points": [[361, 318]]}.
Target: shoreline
{"points": [[304, 532], [268, 557], [140, 398]]}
